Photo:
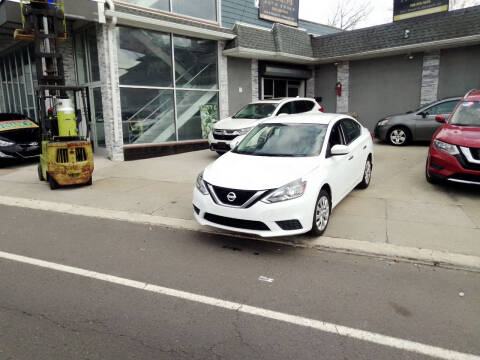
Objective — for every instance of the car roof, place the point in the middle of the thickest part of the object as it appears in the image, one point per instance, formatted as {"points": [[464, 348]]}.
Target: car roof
{"points": [[473, 96], [308, 118], [280, 100]]}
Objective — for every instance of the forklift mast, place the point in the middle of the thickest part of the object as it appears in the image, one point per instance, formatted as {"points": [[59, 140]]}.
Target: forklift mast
{"points": [[44, 24]]}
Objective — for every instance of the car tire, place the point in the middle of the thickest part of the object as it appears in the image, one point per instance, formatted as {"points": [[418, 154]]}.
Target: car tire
{"points": [[430, 179], [53, 184], [321, 213], [40, 173], [367, 175], [399, 136], [90, 181]]}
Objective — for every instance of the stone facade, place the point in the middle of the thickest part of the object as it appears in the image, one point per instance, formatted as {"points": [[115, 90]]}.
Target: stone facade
{"points": [[107, 56], [343, 77], [311, 84], [223, 81], [255, 85], [430, 78]]}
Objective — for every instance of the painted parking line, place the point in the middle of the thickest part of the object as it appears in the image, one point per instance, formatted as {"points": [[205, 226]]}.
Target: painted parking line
{"points": [[371, 337]]}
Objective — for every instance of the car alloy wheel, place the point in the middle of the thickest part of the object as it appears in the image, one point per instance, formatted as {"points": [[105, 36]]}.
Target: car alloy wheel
{"points": [[398, 137], [322, 214], [367, 175]]}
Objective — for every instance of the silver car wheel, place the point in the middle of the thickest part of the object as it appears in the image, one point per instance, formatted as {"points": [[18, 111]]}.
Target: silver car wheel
{"points": [[398, 137], [322, 213], [368, 172]]}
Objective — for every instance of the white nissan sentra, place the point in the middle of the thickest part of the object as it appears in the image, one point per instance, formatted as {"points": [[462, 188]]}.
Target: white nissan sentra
{"points": [[285, 176]]}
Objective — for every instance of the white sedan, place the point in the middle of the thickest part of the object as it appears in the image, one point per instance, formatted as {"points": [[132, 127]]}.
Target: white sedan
{"points": [[285, 176]]}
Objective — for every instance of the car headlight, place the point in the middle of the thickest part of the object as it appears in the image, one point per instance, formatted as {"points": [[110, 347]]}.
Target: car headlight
{"points": [[241, 131], [200, 184], [383, 123], [288, 192], [449, 148], [5, 156], [6, 143]]}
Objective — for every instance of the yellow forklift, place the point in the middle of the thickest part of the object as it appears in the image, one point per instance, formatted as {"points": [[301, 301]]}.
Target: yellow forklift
{"points": [[66, 157]]}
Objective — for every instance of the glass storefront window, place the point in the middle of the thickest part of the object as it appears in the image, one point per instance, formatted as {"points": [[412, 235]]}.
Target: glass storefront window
{"points": [[93, 52], [195, 63], [144, 58], [98, 116], [148, 116], [204, 9], [195, 107], [152, 4], [81, 59]]}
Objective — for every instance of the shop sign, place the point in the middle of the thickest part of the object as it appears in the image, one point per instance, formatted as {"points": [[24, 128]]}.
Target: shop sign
{"points": [[281, 11], [406, 9]]}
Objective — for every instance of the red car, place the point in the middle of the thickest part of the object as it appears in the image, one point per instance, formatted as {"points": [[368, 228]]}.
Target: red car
{"points": [[454, 154]]}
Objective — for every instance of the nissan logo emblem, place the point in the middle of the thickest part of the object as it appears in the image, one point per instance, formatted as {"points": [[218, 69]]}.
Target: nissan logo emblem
{"points": [[231, 197]]}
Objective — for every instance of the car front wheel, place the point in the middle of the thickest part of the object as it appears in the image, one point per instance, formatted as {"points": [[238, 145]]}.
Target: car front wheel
{"points": [[321, 215], [399, 136]]}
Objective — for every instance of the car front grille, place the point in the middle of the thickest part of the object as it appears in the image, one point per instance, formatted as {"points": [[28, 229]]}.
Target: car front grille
{"points": [[223, 137], [475, 153], [237, 223], [225, 195], [467, 164]]}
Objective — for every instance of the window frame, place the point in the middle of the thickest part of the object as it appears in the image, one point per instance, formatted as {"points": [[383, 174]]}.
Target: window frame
{"points": [[345, 131]]}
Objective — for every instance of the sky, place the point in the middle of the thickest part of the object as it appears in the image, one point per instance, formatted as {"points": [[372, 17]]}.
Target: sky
{"points": [[320, 11]]}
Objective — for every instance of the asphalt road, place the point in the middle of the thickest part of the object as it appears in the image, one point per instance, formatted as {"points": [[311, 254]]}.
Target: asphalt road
{"points": [[50, 314]]}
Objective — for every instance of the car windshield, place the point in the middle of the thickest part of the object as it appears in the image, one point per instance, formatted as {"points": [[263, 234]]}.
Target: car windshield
{"points": [[467, 114], [283, 140], [256, 111]]}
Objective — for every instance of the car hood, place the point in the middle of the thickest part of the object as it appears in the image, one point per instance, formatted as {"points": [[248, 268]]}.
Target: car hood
{"points": [[460, 135], [246, 172], [398, 118], [236, 124]]}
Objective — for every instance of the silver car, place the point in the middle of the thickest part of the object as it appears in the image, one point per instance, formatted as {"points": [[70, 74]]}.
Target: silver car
{"points": [[418, 125]]}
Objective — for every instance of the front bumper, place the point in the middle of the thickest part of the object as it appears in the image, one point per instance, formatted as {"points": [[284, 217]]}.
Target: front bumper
{"points": [[300, 210], [444, 166], [19, 152], [381, 132], [218, 145]]}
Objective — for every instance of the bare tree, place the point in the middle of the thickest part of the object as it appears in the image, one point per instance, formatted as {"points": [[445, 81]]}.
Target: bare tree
{"points": [[460, 4], [348, 13]]}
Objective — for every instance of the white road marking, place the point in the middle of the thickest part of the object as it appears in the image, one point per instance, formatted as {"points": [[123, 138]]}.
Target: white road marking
{"points": [[362, 335], [407, 253]]}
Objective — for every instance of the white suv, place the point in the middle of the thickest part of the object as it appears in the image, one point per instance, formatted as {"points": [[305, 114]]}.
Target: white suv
{"points": [[253, 114]]}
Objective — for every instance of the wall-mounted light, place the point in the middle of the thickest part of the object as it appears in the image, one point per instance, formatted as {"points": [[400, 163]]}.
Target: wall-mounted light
{"points": [[410, 57], [406, 34]]}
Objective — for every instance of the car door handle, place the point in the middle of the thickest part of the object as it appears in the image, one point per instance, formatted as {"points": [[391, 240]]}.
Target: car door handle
{"points": [[364, 147], [351, 158]]}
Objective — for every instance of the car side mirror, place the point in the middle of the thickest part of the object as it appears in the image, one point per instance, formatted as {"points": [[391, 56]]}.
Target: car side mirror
{"points": [[340, 150], [441, 119], [423, 114]]}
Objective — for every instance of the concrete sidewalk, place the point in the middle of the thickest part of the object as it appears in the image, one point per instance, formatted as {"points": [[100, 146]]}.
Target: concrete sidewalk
{"points": [[399, 215]]}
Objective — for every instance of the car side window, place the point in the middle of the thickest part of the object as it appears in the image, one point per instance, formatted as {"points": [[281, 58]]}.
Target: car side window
{"points": [[336, 138], [286, 109], [443, 108], [303, 106], [352, 130]]}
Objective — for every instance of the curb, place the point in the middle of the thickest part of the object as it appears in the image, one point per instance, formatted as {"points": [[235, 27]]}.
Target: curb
{"points": [[355, 247]]}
